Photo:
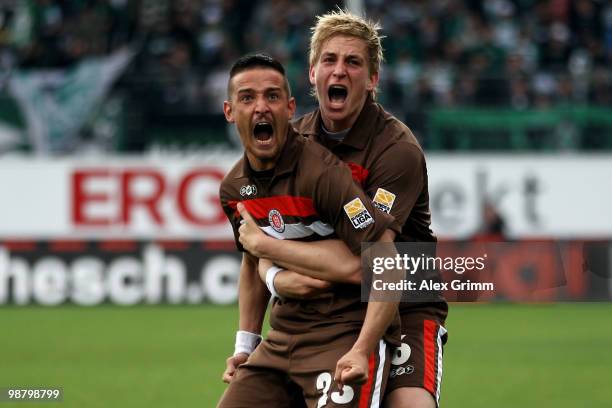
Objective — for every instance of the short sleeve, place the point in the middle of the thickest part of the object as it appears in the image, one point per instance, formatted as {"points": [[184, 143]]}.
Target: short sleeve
{"points": [[229, 204]]}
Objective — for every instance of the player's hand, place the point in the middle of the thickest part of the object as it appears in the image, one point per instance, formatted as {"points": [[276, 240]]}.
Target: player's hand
{"points": [[250, 236], [352, 368], [231, 364], [290, 284], [293, 285]]}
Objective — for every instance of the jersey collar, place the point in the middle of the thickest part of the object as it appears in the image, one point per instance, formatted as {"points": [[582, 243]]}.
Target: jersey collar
{"points": [[357, 137]]}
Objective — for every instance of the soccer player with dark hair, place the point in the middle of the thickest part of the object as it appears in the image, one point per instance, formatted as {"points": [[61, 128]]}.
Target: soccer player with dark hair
{"points": [[290, 188]]}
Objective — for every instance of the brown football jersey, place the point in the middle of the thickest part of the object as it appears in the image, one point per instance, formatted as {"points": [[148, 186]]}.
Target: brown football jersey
{"points": [[309, 195], [387, 161]]}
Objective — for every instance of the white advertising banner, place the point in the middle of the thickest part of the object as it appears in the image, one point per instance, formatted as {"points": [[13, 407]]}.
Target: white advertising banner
{"points": [[538, 196], [114, 198], [167, 198]]}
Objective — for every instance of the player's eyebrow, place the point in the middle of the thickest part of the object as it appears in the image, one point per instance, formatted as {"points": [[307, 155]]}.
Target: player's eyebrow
{"points": [[266, 90], [273, 89], [350, 55]]}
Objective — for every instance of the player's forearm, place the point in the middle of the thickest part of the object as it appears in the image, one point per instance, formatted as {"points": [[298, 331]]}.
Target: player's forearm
{"points": [[253, 297], [329, 260], [378, 318], [252, 307], [379, 314]]}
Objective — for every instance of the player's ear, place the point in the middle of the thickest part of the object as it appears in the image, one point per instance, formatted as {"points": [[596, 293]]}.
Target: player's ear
{"points": [[291, 107], [372, 82], [311, 75], [227, 110]]}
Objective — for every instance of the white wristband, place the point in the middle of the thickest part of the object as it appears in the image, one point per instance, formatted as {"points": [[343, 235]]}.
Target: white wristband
{"points": [[270, 275], [246, 342]]}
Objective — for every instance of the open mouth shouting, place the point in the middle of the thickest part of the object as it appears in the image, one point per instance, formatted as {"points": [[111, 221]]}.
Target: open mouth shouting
{"points": [[263, 132], [337, 95]]}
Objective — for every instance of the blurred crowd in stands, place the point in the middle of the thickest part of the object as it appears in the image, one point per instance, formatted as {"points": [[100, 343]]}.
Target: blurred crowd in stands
{"points": [[520, 54]]}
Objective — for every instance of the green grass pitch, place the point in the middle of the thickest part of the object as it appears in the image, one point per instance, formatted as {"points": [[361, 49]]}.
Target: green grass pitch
{"points": [[498, 355]]}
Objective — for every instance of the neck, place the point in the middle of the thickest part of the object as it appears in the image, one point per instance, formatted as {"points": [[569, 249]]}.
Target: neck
{"points": [[261, 164], [337, 136], [336, 126]]}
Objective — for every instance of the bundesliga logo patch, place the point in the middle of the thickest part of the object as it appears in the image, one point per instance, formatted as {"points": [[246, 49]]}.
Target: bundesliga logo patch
{"points": [[275, 219], [383, 200], [247, 191], [358, 214]]}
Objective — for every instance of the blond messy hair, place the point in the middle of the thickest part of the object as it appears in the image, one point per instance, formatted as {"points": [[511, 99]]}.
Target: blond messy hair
{"points": [[342, 22]]}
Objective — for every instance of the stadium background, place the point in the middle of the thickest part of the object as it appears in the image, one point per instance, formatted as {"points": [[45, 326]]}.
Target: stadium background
{"points": [[117, 270]]}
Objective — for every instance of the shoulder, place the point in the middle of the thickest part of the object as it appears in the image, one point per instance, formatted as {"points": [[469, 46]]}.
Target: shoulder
{"points": [[307, 124], [231, 183], [396, 139], [394, 148], [395, 130]]}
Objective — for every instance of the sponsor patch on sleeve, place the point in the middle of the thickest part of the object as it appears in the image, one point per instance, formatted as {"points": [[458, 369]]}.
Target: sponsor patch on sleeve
{"points": [[358, 214], [383, 200]]}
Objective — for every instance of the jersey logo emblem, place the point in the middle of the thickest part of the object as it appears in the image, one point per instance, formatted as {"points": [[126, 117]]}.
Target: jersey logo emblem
{"points": [[383, 200], [396, 372], [248, 190], [275, 219], [358, 214]]}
